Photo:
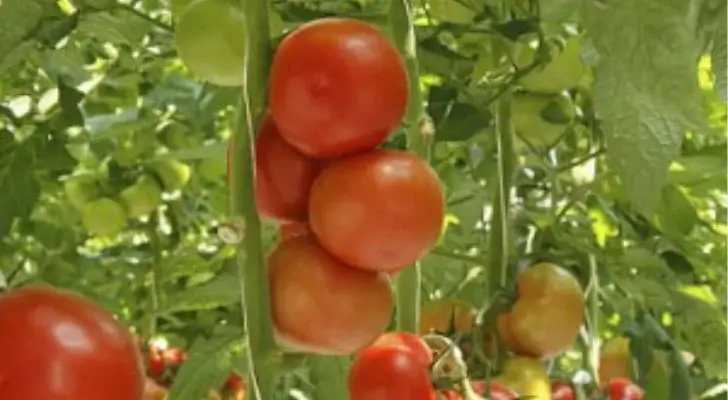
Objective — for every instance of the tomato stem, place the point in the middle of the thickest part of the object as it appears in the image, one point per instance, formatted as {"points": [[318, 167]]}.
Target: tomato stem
{"points": [[403, 33], [330, 377], [262, 354], [593, 347], [155, 287]]}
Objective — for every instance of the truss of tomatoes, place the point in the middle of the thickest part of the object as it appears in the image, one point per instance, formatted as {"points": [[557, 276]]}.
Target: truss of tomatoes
{"points": [[351, 214]]}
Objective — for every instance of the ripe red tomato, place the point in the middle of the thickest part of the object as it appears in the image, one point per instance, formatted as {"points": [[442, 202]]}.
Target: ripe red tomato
{"points": [[624, 389], [407, 341], [58, 345], [337, 86], [322, 305], [235, 382], [155, 364], [293, 229], [497, 391], [562, 391], [283, 176], [389, 373], [381, 210], [174, 356]]}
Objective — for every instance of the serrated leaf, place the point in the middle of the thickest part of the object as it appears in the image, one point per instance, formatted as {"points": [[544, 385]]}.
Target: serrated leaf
{"points": [[19, 188], [18, 18], [123, 28], [221, 291], [209, 363], [646, 91], [719, 55]]}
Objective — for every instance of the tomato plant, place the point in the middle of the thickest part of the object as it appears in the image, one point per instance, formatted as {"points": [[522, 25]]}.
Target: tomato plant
{"points": [[624, 389], [317, 300], [45, 330], [541, 119], [563, 71], [446, 316], [525, 376], [283, 176], [355, 89], [389, 373], [141, 198], [380, 210], [546, 318], [210, 38]]}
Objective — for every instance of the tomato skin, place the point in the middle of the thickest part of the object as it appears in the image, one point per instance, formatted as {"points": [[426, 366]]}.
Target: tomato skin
{"points": [[389, 373], [293, 229], [155, 364], [446, 315], [347, 98], [546, 318], [407, 341], [283, 176], [381, 210], [562, 391], [624, 389], [308, 284], [526, 377], [59, 345]]}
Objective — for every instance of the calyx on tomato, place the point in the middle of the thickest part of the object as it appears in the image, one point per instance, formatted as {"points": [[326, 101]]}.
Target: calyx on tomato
{"points": [[564, 71], [307, 284], [58, 345], [141, 198], [541, 119], [546, 317], [103, 217], [210, 38]]}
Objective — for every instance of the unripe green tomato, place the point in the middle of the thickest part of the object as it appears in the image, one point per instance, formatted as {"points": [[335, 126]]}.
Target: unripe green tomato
{"points": [[104, 217], [81, 189], [564, 71], [178, 6], [141, 198], [210, 38], [541, 119], [173, 174]]}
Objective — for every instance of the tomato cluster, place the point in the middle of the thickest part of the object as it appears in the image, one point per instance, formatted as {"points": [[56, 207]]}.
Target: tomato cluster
{"points": [[350, 213]]}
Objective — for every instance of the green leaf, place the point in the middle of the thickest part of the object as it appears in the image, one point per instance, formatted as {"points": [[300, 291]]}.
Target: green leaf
{"points": [[675, 214], [18, 19], [221, 291], [209, 363], [454, 120], [69, 99], [646, 91], [719, 55], [19, 188], [120, 27]]}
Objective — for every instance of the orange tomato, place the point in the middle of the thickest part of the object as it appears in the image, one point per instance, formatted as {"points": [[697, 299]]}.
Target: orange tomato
{"points": [[445, 316]]}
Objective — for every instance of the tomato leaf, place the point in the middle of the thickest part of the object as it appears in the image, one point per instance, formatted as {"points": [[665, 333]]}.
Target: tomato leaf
{"points": [[121, 27], [18, 19], [719, 55], [222, 290], [210, 361], [646, 91], [20, 189]]}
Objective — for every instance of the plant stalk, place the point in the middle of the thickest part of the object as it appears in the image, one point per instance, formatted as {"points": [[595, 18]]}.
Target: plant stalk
{"points": [[403, 32], [263, 356]]}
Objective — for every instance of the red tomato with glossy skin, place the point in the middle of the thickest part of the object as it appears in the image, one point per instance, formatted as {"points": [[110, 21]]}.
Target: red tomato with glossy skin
{"points": [[337, 86], [380, 210], [321, 305], [624, 389], [562, 391], [409, 341], [58, 345], [293, 229], [283, 176], [389, 373], [155, 364]]}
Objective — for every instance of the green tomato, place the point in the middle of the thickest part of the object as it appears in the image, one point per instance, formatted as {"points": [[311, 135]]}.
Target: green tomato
{"points": [[174, 174], [541, 119], [141, 198], [178, 6], [210, 38], [564, 71], [104, 217], [212, 168], [81, 189]]}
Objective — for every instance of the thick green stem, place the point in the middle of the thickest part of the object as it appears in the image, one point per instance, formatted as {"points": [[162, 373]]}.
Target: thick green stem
{"points": [[593, 346], [155, 287], [262, 354], [403, 33]]}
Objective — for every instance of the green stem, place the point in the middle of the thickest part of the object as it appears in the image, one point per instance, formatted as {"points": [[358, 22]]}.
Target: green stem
{"points": [[329, 376], [263, 356], [403, 32], [157, 271], [593, 318]]}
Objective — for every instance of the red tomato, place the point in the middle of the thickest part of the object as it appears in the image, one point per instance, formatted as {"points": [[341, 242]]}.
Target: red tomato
{"points": [[624, 389], [389, 373], [235, 382], [562, 391], [283, 176], [287, 231], [58, 345], [174, 356], [381, 210], [337, 86], [407, 341], [497, 391], [155, 364], [322, 305]]}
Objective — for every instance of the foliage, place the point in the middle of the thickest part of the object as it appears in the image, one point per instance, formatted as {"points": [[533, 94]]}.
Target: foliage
{"points": [[633, 189]]}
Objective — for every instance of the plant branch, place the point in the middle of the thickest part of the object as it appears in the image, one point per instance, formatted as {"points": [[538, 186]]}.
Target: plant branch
{"points": [[403, 31], [263, 357], [156, 272]]}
